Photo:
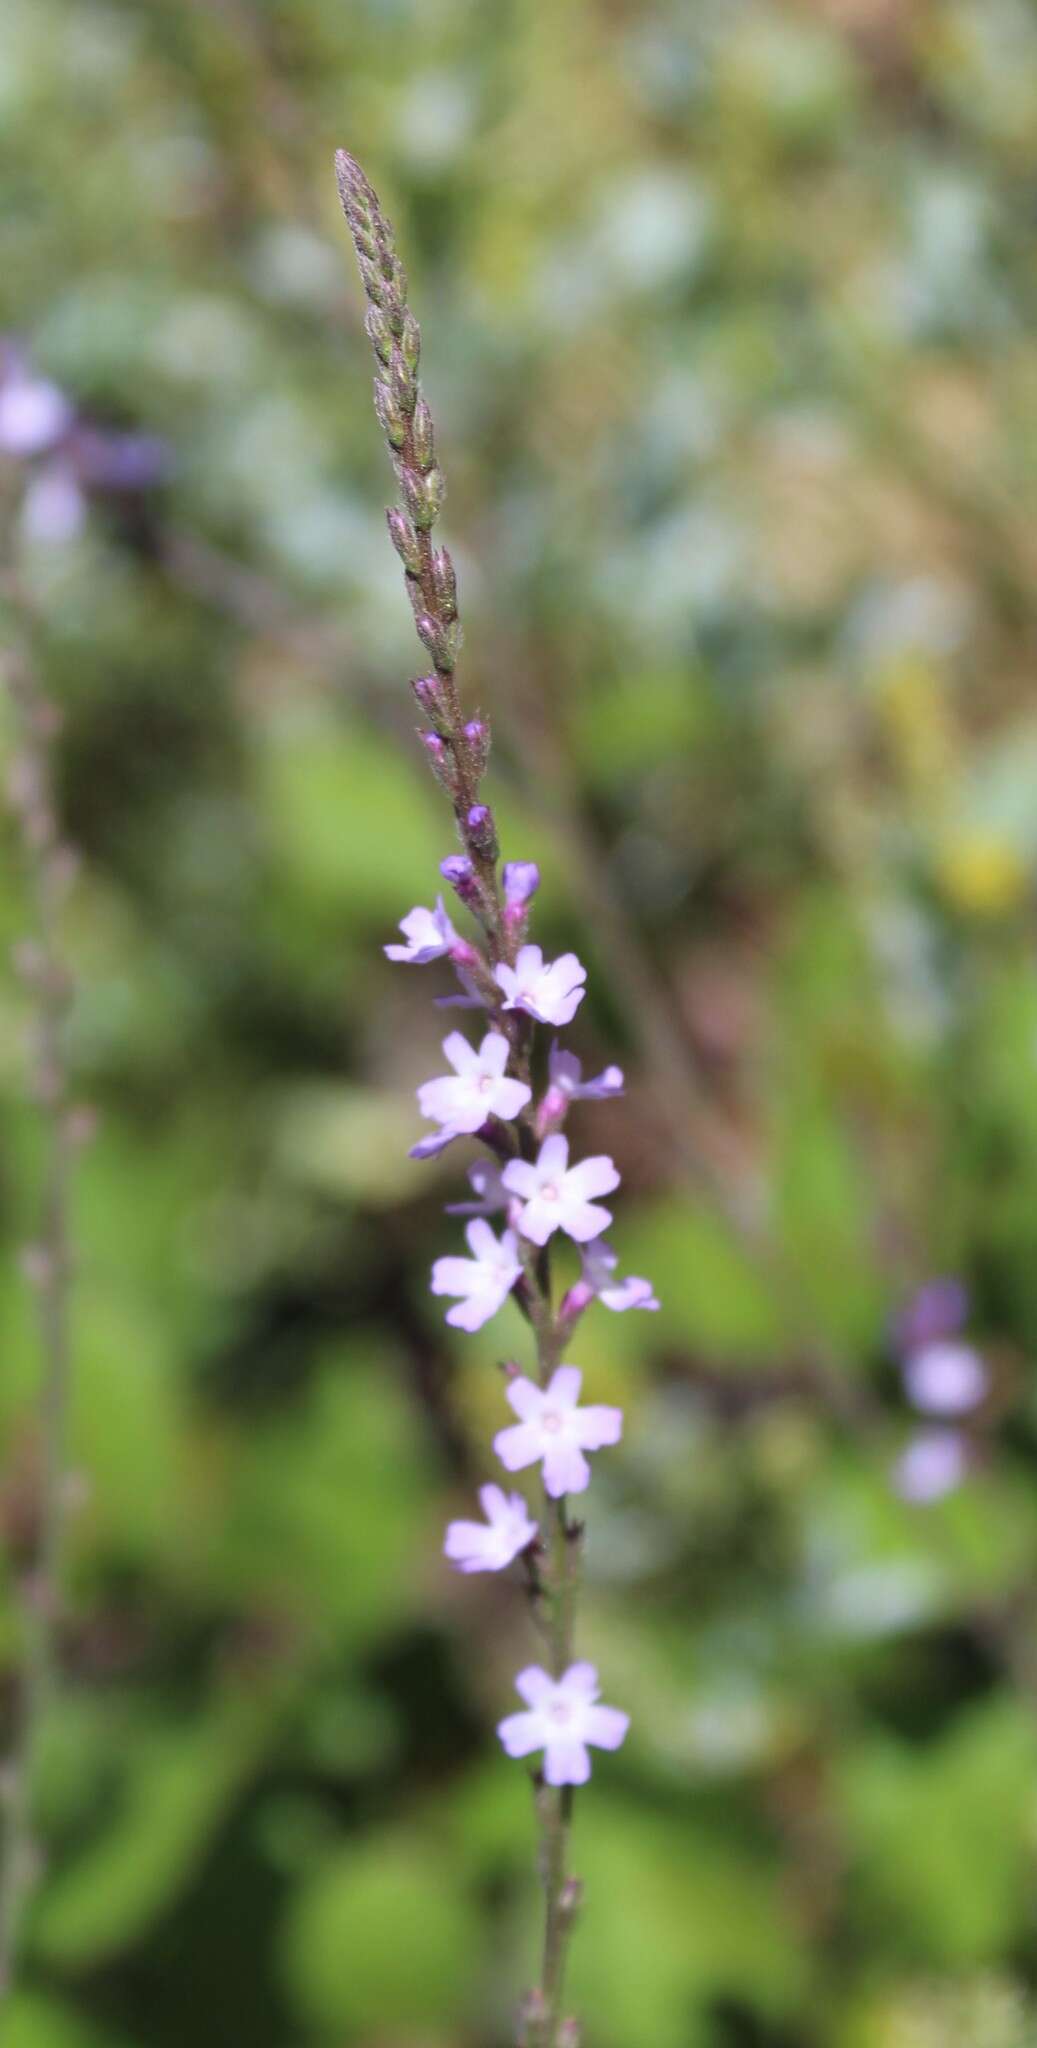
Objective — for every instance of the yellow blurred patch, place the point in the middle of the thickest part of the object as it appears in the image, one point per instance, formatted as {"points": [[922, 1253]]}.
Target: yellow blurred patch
{"points": [[982, 875], [918, 723]]}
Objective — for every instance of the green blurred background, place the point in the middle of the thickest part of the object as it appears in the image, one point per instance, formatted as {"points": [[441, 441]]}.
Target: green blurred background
{"points": [[729, 335]]}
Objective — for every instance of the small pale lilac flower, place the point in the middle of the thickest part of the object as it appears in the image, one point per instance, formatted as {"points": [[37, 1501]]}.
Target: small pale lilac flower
{"points": [[552, 1430], [478, 1088], [483, 1282], [938, 1310], [557, 1196], [563, 1717], [566, 1073], [492, 1545], [429, 934], [599, 1265], [484, 1176], [53, 508], [550, 991], [34, 414], [933, 1464], [521, 880], [946, 1379]]}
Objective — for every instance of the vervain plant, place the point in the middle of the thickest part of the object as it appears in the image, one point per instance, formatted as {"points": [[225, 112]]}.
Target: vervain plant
{"points": [[498, 1093]]}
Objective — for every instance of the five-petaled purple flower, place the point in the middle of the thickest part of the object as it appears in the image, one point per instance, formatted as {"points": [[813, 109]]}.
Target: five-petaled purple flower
{"points": [[482, 1282], [562, 1717], [479, 1086], [551, 991], [492, 1545], [557, 1196], [553, 1431]]}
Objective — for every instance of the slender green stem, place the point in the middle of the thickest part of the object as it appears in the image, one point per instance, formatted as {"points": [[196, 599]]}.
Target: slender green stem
{"points": [[49, 1272]]}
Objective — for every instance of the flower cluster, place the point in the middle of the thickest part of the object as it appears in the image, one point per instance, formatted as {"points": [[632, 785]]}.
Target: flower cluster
{"points": [[530, 1182], [946, 1380], [507, 1092]]}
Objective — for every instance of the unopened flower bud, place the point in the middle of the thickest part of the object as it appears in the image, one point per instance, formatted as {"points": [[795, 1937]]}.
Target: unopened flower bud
{"points": [[551, 1111], [404, 540], [444, 576], [480, 831], [390, 417], [422, 436], [442, 641], [410, 342], [463, 954], [441, 760], [521, 879], [423, 495], [477, 734], [579, 1297], [404, 389], [457, 869], [377, 328], [532, 2014], [569, 2035], [429, 692]]}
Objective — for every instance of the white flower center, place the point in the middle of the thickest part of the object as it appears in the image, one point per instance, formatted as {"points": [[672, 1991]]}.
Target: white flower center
{"points": [[549, 1192], [485, 1083], [551, 1420], [560, 1711]]}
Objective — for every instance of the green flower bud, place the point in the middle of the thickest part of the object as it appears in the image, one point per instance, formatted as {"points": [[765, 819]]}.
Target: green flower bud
{"points": [[423, 440]]}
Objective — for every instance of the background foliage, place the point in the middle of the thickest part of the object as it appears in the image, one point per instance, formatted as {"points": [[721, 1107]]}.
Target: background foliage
{"points": [[729, 322]]}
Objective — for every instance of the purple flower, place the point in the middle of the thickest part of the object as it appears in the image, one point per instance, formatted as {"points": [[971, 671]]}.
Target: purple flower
{"points": [[429, 934], [563, 1717], [53, 508], [938, 1310], [599, 1265], [34, 414], [553, 1430], [478, 1088], [933, 1464], [566, 1074], [482, 1282], [521, 880], [557, 1196], [484, 1177], [476, 1547], [946, 1379], [549, 991]]}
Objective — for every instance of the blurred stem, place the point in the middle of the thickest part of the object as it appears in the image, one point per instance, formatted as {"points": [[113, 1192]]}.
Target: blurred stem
{"points": [[49, 1272], [554, 1804]]}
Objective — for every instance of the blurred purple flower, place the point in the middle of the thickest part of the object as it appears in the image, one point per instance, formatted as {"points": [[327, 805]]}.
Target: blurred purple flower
{"points": [[492, 1545], [563, 1717], [938, 1310], [553, 1429], [53, 508], [34, 414], [932, 1465], [482, 1283], [946, 1379]]}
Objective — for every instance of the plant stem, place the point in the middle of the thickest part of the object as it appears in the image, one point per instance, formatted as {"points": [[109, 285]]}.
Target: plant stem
{"points": [[49, 1272]]}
